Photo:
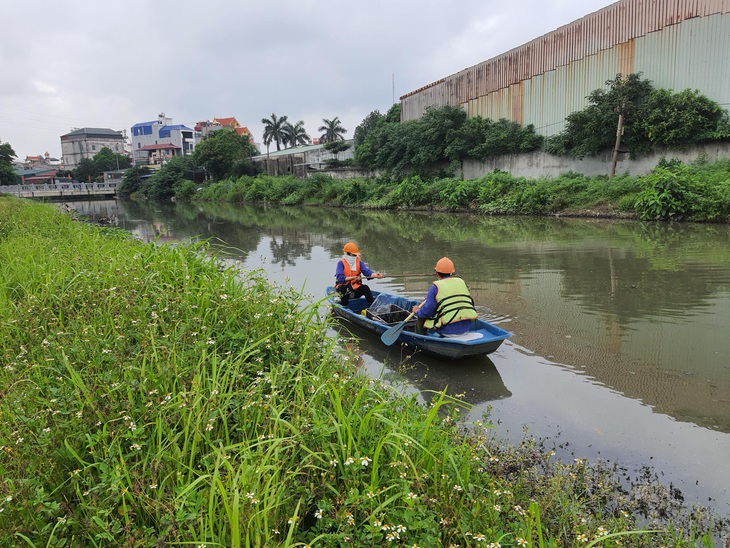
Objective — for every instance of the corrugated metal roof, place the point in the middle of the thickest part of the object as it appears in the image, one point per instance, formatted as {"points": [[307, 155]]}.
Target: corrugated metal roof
{"points": [[677, 44], [297, 150]]}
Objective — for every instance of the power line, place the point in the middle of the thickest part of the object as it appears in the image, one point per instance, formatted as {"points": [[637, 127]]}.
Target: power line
{"points": [[75, 121]]}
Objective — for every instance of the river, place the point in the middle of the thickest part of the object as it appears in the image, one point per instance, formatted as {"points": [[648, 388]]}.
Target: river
{"points": [[620, 348]]}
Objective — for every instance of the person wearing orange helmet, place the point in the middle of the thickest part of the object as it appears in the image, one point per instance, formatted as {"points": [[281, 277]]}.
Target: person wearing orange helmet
{"points": [[449, 307], [348, 276]]}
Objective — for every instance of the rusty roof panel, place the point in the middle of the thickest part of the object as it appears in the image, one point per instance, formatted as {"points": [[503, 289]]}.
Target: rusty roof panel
{"points": [[620, 23], [620, 38]]}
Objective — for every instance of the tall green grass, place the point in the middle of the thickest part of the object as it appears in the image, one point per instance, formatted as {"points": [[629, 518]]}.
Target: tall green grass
{"points": [[150, 396]]}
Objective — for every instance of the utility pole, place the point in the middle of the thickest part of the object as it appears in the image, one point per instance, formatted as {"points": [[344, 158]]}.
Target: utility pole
{"points": [[619, 134]]}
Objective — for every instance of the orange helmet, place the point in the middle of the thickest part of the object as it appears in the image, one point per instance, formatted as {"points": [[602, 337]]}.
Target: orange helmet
{"points": [[445, 266], [350, 247]]}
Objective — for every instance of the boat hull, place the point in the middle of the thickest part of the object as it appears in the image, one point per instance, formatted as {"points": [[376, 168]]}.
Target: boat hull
{"points": [[484, 337]]}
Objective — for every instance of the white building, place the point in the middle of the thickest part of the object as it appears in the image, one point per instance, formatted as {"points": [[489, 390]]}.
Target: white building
{"points": [[155, 142], [86, 142]]}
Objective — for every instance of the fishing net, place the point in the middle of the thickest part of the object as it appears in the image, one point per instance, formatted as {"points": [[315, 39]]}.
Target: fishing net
{"points": [[389, 309]]}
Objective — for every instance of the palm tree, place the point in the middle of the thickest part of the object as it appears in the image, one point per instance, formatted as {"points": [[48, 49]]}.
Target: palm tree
{"points": [[295, 134], [274, 130], [333, 130]]}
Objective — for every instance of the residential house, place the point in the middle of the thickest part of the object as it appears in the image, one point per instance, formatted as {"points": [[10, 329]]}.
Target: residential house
{"points": [[45, 160], [86, 142], [153, 143], [39, 175], [203, 129]]}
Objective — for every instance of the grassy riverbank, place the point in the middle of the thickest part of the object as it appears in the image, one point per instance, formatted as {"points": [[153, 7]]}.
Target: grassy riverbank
{"points": [[150, 396], [673, 191]]}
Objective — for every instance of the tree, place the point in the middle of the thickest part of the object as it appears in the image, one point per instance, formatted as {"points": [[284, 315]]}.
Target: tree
{"points": [[107, 160], [332, 130], [161, 185], [671, 119], [7, 175], [648, 117], [593, 130], [367, 126], [295, 134], [222, 151], [85, 171], [335, 147], [274, 131], [132, 180], [91, 170], [441, 137]]}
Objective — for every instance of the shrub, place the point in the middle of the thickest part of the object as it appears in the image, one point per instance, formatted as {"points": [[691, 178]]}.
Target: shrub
{"points": [[184, 190], [455, 193], [664, 195]]}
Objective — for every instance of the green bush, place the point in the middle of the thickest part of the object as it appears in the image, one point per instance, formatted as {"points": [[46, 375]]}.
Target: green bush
{"points": [[184, 190], [456, 194], [664, 195], [698, 192], [412, 192], [650, 117]]}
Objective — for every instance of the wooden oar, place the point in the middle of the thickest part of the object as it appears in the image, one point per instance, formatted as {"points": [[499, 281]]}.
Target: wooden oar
{"points": [[391, 335], [404, 276]]}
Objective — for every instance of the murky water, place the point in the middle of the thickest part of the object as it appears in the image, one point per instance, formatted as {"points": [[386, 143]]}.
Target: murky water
{"points": [[621, 345]]}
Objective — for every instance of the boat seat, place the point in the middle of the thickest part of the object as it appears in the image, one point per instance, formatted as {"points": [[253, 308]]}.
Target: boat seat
{"points": [[468, 336]]}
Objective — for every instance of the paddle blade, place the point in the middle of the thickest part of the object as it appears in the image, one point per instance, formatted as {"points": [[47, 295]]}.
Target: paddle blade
{"points": [[392, 334]]}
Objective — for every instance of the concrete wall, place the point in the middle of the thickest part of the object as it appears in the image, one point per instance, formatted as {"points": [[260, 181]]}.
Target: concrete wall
{"points": [[531, 165], [291, 164], [541, 164], [344, 173]]}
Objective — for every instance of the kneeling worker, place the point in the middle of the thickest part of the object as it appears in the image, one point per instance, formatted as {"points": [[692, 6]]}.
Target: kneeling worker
{"points": [[449, 307]]}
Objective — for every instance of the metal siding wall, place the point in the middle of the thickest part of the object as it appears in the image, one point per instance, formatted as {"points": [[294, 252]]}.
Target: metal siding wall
{"points": [[550, 97], [692, 55], [602, 44]]}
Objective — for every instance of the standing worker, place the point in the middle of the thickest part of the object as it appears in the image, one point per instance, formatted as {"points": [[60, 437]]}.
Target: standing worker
{"points": [[348, 276], [449, 307]]}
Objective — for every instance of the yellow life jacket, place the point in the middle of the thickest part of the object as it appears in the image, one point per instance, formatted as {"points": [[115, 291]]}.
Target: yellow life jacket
{"points": [[350, 272], [453, 303]]}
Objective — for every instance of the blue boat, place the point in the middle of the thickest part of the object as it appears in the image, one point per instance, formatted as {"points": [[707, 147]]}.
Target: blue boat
{"points": [[389, 310]]}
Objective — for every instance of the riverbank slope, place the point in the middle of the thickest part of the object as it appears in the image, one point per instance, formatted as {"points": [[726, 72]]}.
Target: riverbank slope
{"points": [[674, 191]]}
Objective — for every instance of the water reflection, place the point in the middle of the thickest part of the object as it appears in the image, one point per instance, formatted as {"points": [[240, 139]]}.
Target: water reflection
{"points": [[619, 341], [638, 307], [474, 380]]}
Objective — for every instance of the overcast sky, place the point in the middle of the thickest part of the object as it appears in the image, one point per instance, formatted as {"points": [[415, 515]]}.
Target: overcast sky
{"points": [[82, 63]]}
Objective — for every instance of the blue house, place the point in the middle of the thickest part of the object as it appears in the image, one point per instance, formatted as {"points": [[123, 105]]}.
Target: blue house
{"points": [[153, 143]]}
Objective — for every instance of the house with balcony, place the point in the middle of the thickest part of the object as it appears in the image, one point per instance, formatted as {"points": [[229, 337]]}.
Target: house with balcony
{"points": [[155, 142], [86, 142]]}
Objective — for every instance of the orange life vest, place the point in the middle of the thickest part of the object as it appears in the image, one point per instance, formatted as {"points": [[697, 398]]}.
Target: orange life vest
{"points": [[351, 272]]}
